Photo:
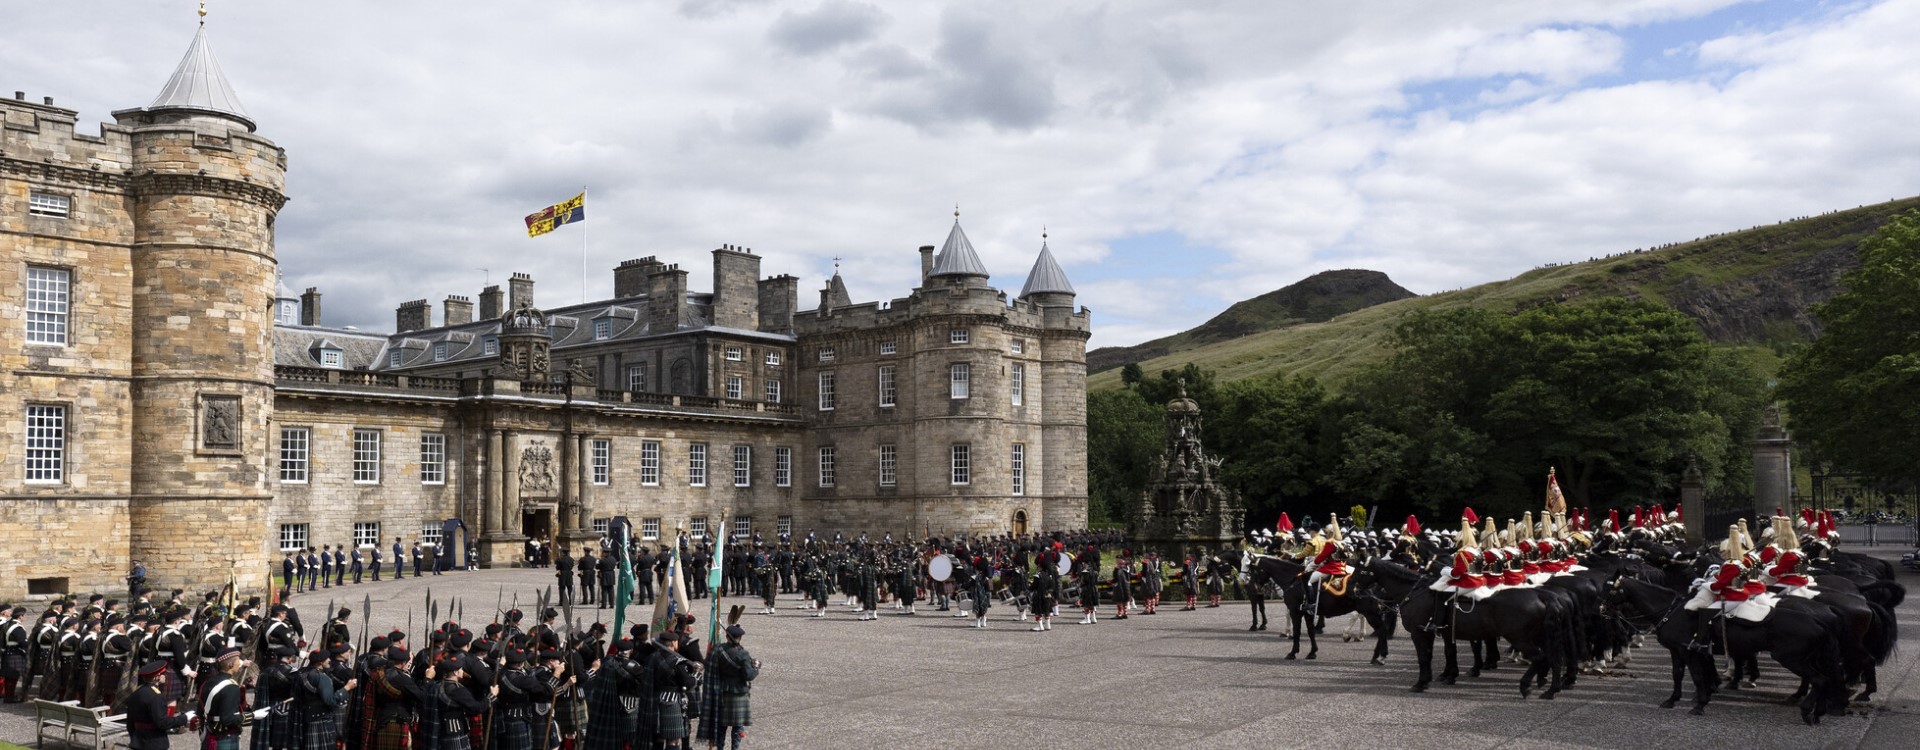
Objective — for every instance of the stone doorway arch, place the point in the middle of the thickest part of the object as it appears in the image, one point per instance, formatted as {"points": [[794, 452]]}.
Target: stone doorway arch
{"points": [[1020, 522]]}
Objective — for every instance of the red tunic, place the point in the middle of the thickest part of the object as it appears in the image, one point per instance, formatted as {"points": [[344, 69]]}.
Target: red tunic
{"points": [[1724, 582], [1460, 576], [1786, 569], [1325, 563]]}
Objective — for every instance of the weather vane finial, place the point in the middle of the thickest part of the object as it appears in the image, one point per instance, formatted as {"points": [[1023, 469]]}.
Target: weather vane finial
{"points": [[956, 212], [203, 9], [1043, 232]]}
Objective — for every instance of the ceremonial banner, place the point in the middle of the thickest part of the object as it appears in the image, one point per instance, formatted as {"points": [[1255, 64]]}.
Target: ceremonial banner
{"points": [[1556, 502], [623, 589], [569, 211], [673, 598]]}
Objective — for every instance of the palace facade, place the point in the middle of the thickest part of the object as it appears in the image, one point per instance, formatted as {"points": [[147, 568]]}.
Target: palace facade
{"points": [[165, 400]]}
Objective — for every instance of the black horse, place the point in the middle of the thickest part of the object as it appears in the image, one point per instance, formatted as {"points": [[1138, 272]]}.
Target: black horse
{"points": [[1800, 634], [1291, 577], [1534, 621]]}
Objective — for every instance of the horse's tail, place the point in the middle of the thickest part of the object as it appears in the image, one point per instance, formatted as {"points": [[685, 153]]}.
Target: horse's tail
{"points": [[1889, 594], [1883, 635], [1828, 658]]}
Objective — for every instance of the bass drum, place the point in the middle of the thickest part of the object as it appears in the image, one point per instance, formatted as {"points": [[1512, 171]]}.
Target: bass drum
{"points": [[1066, 564], [940, 568]]}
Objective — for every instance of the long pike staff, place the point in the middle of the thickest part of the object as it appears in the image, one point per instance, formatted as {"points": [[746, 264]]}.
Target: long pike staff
{"points": [[713, 584], [366, 618], [623, 590]]}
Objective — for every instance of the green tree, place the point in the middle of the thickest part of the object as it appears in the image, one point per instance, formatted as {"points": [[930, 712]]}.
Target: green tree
{"points": [[1854, 392], [1130, 375], [1266, 432], [1124, 439]]}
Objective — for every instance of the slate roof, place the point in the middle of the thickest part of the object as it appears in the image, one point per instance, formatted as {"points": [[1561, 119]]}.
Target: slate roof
{"points": [[198, 83], [957, 257], [1046, 275]]}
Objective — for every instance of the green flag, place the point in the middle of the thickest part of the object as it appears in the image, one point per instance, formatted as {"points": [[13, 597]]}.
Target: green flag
{"points": [[623, 590]]}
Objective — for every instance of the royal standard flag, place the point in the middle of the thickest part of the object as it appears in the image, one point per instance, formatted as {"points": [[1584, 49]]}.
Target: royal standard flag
{"points": [[559, 214]]}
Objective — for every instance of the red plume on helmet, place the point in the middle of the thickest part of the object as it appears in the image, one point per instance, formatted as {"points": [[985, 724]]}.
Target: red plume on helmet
{"points": [[1806, 517], [1613, 520], [1413, 526], [1285, 525], [1467, 514]]}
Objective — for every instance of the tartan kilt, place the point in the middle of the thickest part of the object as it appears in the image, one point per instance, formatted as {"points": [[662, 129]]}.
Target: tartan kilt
{"points": [[511, 734], [393, 735], [609, 725], [318, 732], [286, 729], [570, 714], [732, 710], [455, 741], [670, 718], [13, 664], [215, 742], [175, 691]]}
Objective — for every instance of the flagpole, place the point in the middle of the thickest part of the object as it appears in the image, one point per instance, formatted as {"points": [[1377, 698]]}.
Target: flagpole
{"points": [[583, 250]]}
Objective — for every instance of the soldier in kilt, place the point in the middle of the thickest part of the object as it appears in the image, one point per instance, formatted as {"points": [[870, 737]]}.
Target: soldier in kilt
{"points": [[570, 700], [730, 672], [456, 704], [396, 702], [282, 730], [514, 717], [615, 695], [223, 705], [15, 641], [319, 701], [673, 675]]}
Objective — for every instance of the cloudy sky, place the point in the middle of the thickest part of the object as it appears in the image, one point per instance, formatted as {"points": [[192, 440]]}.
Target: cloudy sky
{"points": [[1183, 154]]}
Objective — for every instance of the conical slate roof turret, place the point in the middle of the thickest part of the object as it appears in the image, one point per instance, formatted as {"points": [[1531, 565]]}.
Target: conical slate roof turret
{"points": [[1046, 276], [957, 257], [199, 84]]}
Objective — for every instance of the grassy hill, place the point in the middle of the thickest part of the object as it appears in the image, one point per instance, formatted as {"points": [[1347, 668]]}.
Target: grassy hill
{"points": [[1315, 299], [1746, 288]]}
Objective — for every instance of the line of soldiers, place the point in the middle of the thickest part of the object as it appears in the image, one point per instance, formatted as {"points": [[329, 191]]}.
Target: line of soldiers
{"points": [[309, 571]]}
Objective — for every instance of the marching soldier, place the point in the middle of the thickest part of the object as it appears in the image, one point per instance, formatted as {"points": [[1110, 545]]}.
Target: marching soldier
{"points": [[1152, 582], [643, 574], [587, 573], [1122, 586], [1089, 588], [326, 566], [396, 700], [358, 563], [513, 718], [276, 688], [672, 675], [608, 567], [732, 670], [373, 554], [457, 704], [116, 652], [318, 699], [563, 570], [223, 707], [15, 642]]}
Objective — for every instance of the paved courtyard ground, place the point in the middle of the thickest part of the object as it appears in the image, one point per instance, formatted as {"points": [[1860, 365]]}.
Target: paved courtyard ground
{"points": [[1173, 680]]}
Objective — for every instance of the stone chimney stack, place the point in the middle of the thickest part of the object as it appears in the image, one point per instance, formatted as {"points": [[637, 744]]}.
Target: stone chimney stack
{"points": [[413, 316], [779, 295], [667, 299], [519, 291], [458, 311], [736, 294], [630, 277], [310, 306], [926, 262], [491, 303]]}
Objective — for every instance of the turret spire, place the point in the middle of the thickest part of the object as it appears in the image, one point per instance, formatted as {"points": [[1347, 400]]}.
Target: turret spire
{"points": [[1046, 276], [957, 257], [199, 84]]}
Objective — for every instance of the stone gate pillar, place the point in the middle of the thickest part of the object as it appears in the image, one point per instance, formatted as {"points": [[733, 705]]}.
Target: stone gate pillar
{"points": [[1693, 503], [1772, 467]]}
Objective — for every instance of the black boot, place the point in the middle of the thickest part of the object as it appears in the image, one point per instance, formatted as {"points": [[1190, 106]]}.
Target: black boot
{"points": [[1702, 633]]}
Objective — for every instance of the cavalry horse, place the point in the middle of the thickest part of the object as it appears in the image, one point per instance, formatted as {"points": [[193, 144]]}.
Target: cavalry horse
{"points": [[1802, 635], [1536, 622], [1291, 577]]}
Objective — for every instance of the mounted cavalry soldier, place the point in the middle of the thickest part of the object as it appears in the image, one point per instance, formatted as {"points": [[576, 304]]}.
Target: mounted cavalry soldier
{"points": [[1731, 588], [1327, 556], [1789, 569], [1466, 575]]}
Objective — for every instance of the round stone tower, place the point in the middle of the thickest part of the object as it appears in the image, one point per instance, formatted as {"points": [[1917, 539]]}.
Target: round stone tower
{"points": [[204, 191]]}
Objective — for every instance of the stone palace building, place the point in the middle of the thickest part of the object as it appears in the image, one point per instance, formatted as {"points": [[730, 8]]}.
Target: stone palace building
{"points": [[163, 399]]}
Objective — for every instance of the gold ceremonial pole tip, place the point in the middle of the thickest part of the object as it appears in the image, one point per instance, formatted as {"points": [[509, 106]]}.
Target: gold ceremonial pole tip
{"points": [[956, 210], [203, 10]]}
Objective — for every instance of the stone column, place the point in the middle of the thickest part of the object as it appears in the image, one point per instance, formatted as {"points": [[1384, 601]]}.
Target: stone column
{"points": [[1772, 467], [1693, 503], [510, 487], [579, 523]]}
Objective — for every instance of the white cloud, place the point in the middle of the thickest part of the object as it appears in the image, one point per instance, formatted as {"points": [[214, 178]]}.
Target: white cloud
{"points": [[1281, 133]]}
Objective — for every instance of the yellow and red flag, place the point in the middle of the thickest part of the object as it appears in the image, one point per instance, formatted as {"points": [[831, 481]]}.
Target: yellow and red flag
{"points": [[560, 214], [1556, 502]]}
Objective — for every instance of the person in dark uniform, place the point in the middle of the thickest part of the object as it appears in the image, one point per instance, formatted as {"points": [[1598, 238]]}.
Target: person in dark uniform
{"points": [[319, 699], [287, 569], [222, 706], [136, 580], [457, 704], [588, 572], [150, 717], [563, 570], [1089, 589], [672, 675], [15, 643], [731, 669], [399, 558], [607, 570], [643, 576], [358, 563], [513, 718], [418, 558], [373, 555], [326, 566]]}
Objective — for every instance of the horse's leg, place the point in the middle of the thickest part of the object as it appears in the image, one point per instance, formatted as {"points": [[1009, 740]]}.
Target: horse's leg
{"points": [[1263, 612], [1253, 608], [1679, 674], [1703, 678], [1558, 671], [1313, 644], [1478, 660], [1381, 632], [1753, 671], [1293, 620], [1452, 671], [1423, 654]]}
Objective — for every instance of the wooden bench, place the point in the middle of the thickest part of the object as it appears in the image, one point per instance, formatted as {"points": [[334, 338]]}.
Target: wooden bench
{"points": [[72, 721]]}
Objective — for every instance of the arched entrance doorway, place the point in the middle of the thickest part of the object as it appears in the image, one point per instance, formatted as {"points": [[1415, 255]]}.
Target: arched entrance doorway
{"points": [[1019, 522]]}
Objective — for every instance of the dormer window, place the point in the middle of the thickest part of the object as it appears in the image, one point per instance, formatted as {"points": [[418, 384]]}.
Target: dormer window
{"points": [[734, 354], [773, 359], [395, 357], [440, 352], [490, 346], [602, 328], [957, 336], [289, 312], [332, 358]]}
